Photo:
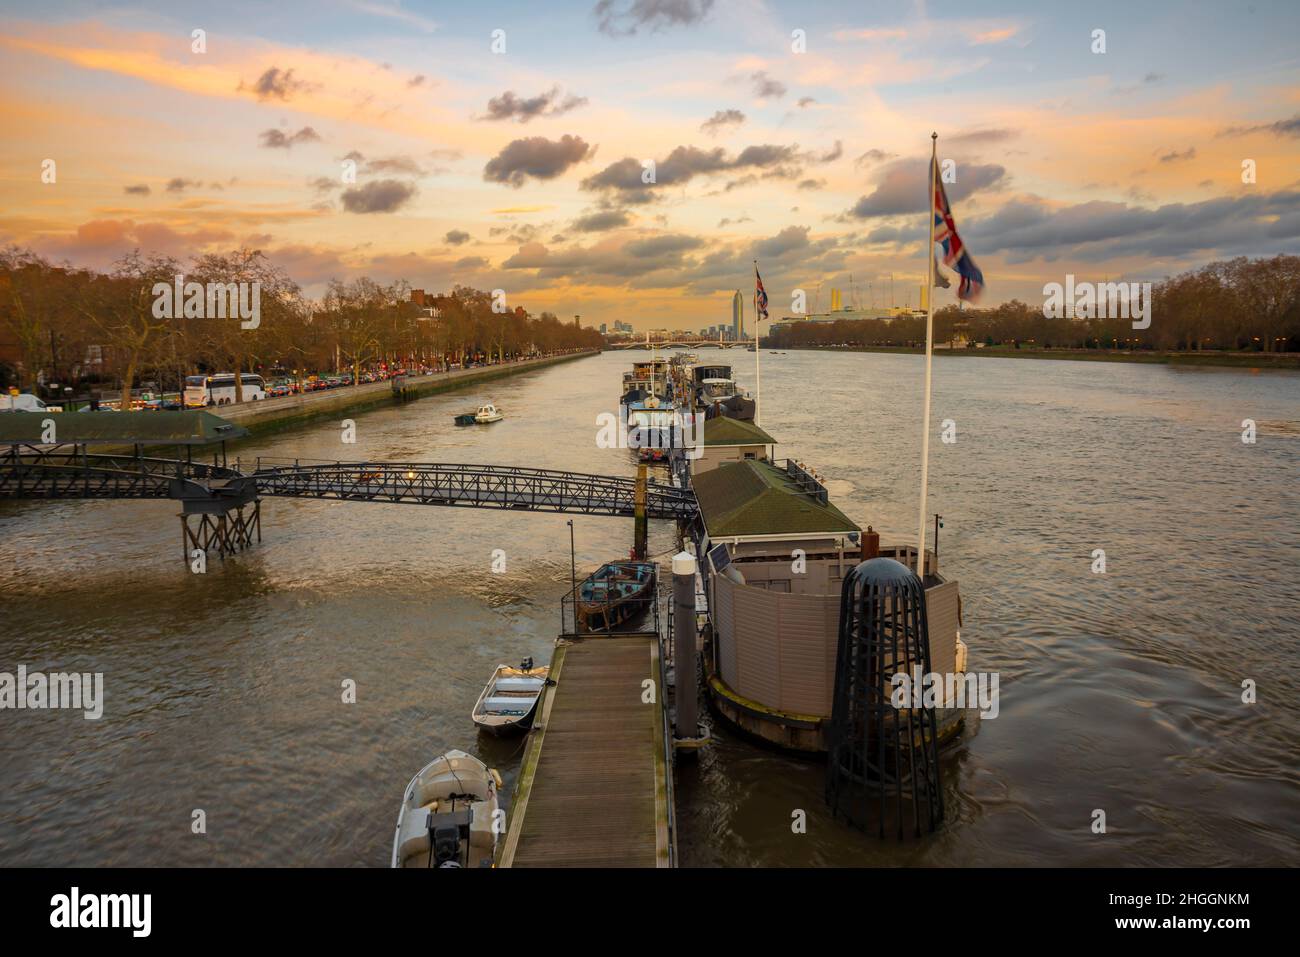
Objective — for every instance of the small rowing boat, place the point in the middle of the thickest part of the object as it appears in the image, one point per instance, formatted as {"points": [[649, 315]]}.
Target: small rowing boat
{"points": [[616, 593], [508, 703]]}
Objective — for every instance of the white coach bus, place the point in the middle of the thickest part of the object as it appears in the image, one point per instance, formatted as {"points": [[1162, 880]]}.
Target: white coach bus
{"points": [[219, 389]]}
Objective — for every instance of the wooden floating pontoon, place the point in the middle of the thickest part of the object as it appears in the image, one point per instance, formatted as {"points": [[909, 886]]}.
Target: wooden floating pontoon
{"points": [[594, 790]]}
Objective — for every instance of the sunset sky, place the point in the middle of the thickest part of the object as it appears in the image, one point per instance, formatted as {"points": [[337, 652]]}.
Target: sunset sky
{"points": [[521, 170]]}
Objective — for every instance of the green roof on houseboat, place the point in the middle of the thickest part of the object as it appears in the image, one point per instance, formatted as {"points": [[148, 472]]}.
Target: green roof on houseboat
{"points": [[726, 431], [753, 498], [195, 427]]}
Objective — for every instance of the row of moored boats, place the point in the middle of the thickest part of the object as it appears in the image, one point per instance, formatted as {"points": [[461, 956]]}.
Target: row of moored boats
{"points": [[657, 392]]}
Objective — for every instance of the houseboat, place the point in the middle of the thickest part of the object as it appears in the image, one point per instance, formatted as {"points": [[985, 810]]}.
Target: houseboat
{"points": [[774, 552], [717, 390], [651, 425]]}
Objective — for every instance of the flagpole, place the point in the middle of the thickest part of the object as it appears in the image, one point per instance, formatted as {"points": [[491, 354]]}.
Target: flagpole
{"points": [[758, 373], [929, 357]]}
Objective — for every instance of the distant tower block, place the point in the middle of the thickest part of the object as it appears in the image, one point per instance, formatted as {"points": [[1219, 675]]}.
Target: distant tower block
{"points": [[882, 770]]}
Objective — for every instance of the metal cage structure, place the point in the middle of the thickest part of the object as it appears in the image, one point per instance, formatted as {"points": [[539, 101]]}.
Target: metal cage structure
{"points": [[883, 754]]}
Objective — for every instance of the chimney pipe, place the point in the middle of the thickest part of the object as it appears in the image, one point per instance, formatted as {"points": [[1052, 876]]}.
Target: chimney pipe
{"points": [[870, 544]]}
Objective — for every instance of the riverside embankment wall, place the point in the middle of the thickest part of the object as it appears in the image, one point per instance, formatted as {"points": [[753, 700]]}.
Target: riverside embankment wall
{"points": [[270, 415]]}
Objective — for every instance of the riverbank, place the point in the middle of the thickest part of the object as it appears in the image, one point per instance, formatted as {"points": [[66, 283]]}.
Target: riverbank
{"points": [[1238, 360], [273, 415]]}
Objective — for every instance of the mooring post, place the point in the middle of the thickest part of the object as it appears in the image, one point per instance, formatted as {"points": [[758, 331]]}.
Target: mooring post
{"points": [[639, 549], [684, 651]]}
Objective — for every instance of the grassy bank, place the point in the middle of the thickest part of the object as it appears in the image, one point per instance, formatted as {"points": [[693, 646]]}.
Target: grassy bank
{"points": [[1241, 360]]}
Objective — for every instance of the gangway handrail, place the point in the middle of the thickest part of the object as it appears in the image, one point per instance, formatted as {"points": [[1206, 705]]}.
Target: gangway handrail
{"points": [[62, 474]]}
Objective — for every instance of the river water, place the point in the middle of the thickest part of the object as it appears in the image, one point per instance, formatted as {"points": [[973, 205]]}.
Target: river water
{"points": [[1119, 691]]}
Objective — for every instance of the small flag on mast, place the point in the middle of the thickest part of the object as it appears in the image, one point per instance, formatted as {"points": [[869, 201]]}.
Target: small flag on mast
{"points": [[955, 255], [760, 296]]}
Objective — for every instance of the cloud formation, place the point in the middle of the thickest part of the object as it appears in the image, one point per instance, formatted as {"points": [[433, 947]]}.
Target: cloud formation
{"points": [[624, 19], [1028, 228], [278, 139], [378, 196], [900, 189], [765, 87], [721, 119], [277, 84], [626, 178], [610, 260], [402, 165], [509, 106], [536, 157], [601, 221], [983, 136], [873, 156], [1289, 127]]}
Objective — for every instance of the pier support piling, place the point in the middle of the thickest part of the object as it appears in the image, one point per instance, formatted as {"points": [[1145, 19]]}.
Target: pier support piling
{"points": [[639, 548], [222, 515], [224, 532], [684, 648]]}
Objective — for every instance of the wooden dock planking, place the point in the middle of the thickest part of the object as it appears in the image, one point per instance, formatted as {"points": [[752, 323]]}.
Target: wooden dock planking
{"points": [[592, 789]]}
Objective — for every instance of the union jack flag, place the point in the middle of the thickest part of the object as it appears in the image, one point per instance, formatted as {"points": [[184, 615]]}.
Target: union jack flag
{"points": [[955, 255], [760, 296]]}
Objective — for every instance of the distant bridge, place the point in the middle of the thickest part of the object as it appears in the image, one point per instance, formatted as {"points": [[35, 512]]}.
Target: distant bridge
{"points": [[63, 473]]}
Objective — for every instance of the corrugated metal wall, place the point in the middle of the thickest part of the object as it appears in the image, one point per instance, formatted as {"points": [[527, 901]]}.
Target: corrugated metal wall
{"points": [[785, 655], [723, 621], [941, 612]]}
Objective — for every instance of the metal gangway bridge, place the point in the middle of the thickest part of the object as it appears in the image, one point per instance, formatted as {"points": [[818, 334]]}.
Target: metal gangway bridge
{"points": [[65, 473], [223, 495]]}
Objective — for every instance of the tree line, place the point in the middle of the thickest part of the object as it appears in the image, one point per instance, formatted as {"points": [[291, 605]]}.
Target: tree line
{"points": [[85, 328], [1236, 304]]}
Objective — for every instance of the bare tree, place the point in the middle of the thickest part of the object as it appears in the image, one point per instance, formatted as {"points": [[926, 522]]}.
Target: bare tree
{"points": [[120, 307]]}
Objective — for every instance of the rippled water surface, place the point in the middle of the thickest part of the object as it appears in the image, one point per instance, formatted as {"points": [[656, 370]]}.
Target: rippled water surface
{"points": [[1119, 692]]}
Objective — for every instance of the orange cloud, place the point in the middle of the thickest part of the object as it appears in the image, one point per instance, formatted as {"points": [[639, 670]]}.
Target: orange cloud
{"points": [[993, 36], [324, 85]]}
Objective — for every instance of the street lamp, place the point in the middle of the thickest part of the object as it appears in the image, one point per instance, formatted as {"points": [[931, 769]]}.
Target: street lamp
{"points": [[573, 562]]}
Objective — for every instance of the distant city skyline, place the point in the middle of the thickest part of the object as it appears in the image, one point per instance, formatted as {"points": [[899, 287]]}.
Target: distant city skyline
{"points": [[506, 146]]}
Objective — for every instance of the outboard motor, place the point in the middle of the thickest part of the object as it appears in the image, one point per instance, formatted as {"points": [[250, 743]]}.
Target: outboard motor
{"points": [[446, 833], [446, 845]]}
